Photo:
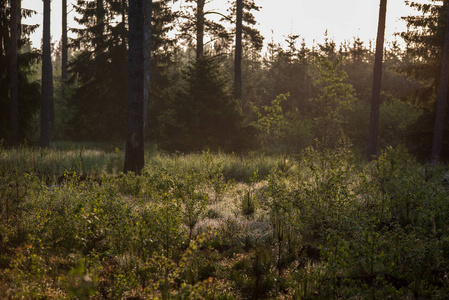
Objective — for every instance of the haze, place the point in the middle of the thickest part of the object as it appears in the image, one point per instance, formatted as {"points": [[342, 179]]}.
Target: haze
{"points": [[344, 19]]}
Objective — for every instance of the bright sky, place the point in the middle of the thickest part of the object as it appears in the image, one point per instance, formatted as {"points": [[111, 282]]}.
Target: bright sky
{"points": [[343, 19]]}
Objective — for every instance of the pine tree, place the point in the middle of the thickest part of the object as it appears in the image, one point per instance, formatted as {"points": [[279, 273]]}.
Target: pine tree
{"points": [[101, 66], [134, 157], [197, 28], [148, 8], [238, 51], [64, 50], [442, 98], [247, 39], [15, 32], [28, 91], [377, 80], [46, 79]]}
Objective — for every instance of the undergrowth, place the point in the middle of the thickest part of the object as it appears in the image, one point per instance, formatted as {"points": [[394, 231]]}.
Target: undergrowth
{"points": [[222, 226]]}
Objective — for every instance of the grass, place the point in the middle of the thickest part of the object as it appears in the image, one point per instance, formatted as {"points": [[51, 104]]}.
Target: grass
{"points": [[221, 226]]}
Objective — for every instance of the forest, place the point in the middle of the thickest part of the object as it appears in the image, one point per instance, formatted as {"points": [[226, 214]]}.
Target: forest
{"points": [[173, 152]]}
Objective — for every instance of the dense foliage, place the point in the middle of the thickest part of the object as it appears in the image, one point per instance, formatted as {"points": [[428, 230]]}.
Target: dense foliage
{"points": [[318, 224]]}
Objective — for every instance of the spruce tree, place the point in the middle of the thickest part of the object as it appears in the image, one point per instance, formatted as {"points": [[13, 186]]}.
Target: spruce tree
{"points": [[101, 66], [425, 43]]}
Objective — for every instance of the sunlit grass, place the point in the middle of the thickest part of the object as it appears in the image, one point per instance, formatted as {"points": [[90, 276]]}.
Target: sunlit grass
{"points": [[102, 159]]}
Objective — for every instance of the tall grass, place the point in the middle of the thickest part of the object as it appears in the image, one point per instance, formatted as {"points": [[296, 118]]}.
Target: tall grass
{"points": [[102, 159]]}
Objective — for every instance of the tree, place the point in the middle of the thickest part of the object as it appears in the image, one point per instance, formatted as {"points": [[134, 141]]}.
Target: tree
{"points": [[238, 51], [46, 78], [14, 115], [28, 91], [148, 8], [203, 113], [442, 98], [241, 15], [425, 42], [64, 56], [200, 28], [100, 67], [377, 80], [197, 27], [134, 156]]}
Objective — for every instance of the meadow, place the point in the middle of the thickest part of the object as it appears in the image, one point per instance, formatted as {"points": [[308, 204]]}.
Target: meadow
{"points": [[317, 224]]}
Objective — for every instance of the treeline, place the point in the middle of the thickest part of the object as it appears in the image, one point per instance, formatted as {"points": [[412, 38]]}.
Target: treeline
{"points": [[292, 93]]}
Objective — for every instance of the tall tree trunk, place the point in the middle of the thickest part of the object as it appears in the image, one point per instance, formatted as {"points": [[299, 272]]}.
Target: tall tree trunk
{"points": [[200, 28], [134, 156], [377, 82], [437, 144], [46, 78], [148, 6], [14, 79], [52, 101], [100, 21], [19, 22], [238, 52], [64, 55]]}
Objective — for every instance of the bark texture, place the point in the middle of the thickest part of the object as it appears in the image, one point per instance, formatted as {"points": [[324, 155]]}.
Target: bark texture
{"points": [[437, 143], [200, 28], [134, 156], [148, 6], [238, 52], [46, 79], [377, 83], [14, 80]]}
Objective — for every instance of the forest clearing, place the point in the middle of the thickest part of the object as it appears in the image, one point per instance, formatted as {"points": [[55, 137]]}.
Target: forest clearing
{"points": [[167, 149], [318, 224]]}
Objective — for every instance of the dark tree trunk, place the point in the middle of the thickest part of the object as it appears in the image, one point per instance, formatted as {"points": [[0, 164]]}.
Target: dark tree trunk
{"points": [[19, 22], [64, 58], [377, 81], [437, 144], [148, 6], [134, 156], [46, 78], [14, 80], [52, 101], [238, 52], [200, 28], [100, 21]]}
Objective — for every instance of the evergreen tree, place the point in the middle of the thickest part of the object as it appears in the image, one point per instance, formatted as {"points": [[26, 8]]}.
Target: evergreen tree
{"points": [[251, 37], [288, 71], [148, 9], [203, 112], [442, 98], [64, 50], [28, 91], [247, 39], [134, 157], [100, 66], [46, 79], [197, 29], [15, 32], [377, 80], [238, 51], [425, 40]]}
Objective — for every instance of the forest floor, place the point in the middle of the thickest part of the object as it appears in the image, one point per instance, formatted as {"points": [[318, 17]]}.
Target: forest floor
{"points": [[318, 224]]}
